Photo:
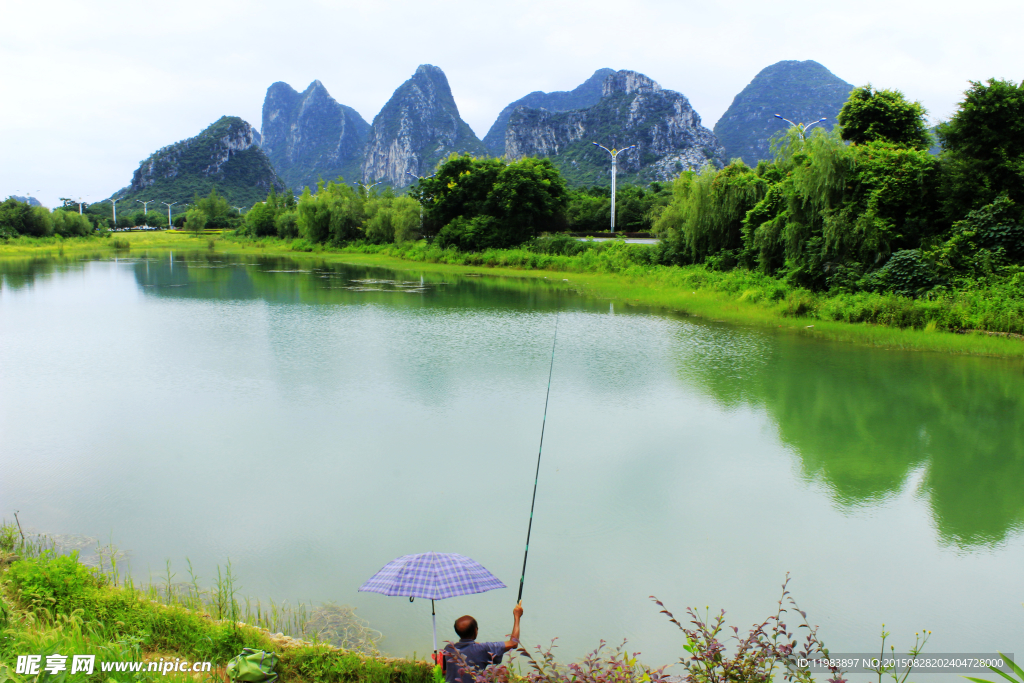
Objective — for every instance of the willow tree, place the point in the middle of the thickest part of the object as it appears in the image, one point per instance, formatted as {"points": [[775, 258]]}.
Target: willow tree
{"points": [[705, 217]]}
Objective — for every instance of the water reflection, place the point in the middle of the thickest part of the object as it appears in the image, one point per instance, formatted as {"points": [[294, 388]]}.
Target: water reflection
{"points": [[863, 421]]}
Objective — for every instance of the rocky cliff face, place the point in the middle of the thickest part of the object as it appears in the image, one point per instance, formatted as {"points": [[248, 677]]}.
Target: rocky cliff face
{"points": [[225, 156], [309, 135], [632, 110], [418, 126], [583, 96], [800, 91]]}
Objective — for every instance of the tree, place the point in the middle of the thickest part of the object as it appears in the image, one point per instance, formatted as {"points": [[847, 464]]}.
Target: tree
{"points": [[392, 219], [501, 204], [706, 213], [333, 214], [984, 148], [195, 220], [883, 115], [260, 219], [70, 223], [213, 205], [16, 218]]}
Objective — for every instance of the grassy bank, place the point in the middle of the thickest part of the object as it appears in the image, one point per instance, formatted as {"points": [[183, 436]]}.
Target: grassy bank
{"points": [[983, 320], [53, 604], [978, 322], [109, 244]]}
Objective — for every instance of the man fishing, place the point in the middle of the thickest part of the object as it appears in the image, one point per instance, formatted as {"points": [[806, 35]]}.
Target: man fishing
{"points": [[476, 656]]}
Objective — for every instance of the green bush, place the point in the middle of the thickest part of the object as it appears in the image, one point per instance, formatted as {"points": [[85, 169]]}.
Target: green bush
{"points": [[57, 577], [906, 273]]}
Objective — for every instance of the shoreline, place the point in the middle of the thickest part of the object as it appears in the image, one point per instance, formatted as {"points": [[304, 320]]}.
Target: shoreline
{"points": [[643, 289]]}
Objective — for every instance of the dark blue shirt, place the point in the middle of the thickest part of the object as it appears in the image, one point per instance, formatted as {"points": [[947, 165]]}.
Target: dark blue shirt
{"points": [[478, 656]]}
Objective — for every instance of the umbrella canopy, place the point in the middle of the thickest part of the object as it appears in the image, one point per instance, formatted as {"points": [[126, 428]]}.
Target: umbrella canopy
{"points": [[434, 576]]}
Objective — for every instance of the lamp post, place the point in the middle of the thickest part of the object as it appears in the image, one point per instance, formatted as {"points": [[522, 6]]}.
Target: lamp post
{"points": [[145, 210], [367, 188], [615, 154], [239, 209], [114, 203], [800, 126], [170, 225]]}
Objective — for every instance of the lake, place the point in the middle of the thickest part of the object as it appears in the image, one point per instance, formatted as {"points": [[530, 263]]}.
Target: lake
{"points": [[313, 421]]}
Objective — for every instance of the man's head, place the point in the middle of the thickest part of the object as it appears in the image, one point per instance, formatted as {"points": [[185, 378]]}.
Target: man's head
{"points": [[465, 626]]}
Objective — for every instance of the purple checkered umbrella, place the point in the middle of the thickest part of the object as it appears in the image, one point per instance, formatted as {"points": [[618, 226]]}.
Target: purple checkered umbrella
{"points": [[432, 575]]}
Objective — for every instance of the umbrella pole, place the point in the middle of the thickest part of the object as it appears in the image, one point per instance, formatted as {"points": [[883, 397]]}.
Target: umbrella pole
{"points": [[433, 618]]}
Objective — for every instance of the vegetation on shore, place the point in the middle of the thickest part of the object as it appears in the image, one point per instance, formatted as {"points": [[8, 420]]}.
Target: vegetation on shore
{"points": [[622, 272], [51, 604], [861, 225]]}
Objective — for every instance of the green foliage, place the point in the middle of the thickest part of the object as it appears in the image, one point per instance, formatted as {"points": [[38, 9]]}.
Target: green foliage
{"points": [[20, 218], [983, 148], [636, 208], [906, 273], [871, 115], [53, 578], [588, 211], [287, 224], [195, 220], [181, 171], [837, 211], [320, 663], [497, 205], [705, 216], [70, 223], [392, 219], [985, 242], [334, 214], [769, 651], [470, 234], [213, 205], [260, 220]]}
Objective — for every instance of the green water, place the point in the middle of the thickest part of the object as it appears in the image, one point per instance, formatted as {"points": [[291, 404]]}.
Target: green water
{"points": [[312, 422]]}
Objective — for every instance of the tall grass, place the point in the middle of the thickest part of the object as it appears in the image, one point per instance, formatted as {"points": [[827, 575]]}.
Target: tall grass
{"points": [[51, 602]]}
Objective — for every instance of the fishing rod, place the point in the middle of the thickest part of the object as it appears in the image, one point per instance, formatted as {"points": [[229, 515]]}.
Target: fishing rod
{"points": [[536, 475]]}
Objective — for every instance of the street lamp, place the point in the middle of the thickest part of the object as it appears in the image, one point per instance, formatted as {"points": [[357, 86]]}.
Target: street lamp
{"points": [[114, 202], [239, 209], [170, 225], [615, 153], [145, 210], [367, 188], [800, 126]]}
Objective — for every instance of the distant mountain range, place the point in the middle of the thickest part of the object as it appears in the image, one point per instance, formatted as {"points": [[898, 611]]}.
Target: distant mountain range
{"points": [[419, 126], [309, 135], [664, 131], [583, 96], [799, 91], [224, 156]]}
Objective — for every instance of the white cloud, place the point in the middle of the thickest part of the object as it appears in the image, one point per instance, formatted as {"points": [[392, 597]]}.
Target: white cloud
{"points": [[93, 88]]}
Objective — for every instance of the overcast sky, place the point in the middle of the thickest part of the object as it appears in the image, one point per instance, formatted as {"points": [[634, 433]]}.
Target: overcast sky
{"points": [[90, 89]]}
